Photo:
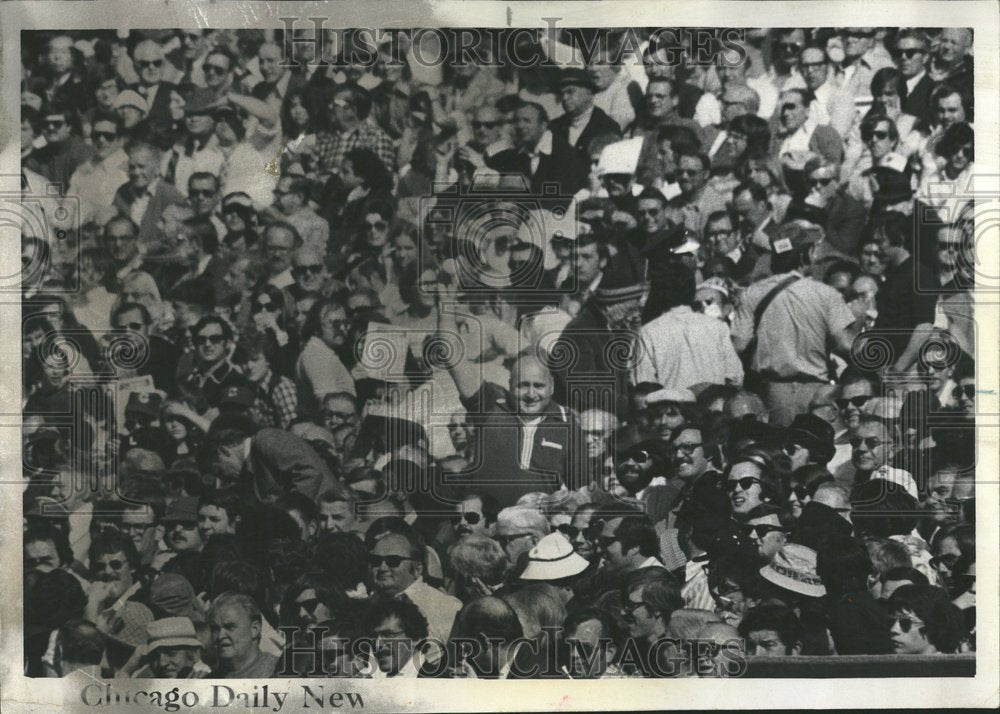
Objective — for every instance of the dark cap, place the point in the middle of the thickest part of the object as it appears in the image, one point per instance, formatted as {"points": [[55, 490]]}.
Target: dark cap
{"points": [[182, 510], [813, 433], [200, 101], [795, 235], [573, 77], [237, 396]]}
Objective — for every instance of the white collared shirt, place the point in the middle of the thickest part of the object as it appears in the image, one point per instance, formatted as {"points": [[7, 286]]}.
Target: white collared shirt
{"points": [[914, 81], [138, 208], [577, 126], [530, 426], [543, 147]]}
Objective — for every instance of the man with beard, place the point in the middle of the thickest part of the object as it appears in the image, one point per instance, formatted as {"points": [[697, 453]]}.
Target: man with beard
{"points": [[641, 471], [475, 515], [172, 651], [114, 570]]}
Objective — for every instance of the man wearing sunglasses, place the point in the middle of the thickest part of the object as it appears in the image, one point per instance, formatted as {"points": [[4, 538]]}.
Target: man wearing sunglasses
{"points": [[210, 370], [911, 53], [475, 515], [874, 446], [64, 150], [924, 621], [150, 64], [799, 134], [396, 565], [95, 181], [845, 215]]}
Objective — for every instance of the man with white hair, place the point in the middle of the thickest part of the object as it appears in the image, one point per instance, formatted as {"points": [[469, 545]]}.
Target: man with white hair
{"points": [[150, 61], [517, 530]]}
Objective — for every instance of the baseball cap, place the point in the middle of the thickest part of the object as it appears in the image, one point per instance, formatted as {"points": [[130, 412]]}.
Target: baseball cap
{"points": [[130, 98]]}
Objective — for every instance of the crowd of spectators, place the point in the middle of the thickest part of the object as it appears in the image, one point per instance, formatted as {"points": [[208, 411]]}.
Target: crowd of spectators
{"points": [[314, 386]]}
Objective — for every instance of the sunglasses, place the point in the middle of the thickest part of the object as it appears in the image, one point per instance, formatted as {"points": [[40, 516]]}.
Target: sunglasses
{"points": [[965, 150], [789, 107], [55, 123], [484, 124], [470, 517], [878, 136], [948, 560], [871, 442], [639, 456], [393, 561], [113, 564], [905, 623], [309, 605], [377, 225], [762, 529], [572, 532], [801, 492], [790, 449], [966, 390], [35, 562], [202, 340], [307, 269], [143, 64], [910, 52], [820, 182], [688, 448], [104, 135], [339, 416], [744, 483], [630, 607], [853, 401], [261, 306]]}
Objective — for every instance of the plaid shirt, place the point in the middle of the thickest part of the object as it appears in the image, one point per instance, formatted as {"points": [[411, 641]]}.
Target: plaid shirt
{"points": [[330, 148], [276, 401]]}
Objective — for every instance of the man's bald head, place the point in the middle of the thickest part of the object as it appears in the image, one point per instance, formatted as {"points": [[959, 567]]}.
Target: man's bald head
{"points": [[530, 385]]}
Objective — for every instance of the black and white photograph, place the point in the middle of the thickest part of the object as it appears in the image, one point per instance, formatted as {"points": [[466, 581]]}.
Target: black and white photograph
{"points": [[565, 351]]}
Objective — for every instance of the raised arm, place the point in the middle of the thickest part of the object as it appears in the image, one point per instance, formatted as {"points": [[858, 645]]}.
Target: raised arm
{"points": [[465, 375]]}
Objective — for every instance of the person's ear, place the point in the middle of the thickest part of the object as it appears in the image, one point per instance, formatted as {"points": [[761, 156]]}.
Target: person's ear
{"points": [[255, 629], [311, 528], [796, 649]]}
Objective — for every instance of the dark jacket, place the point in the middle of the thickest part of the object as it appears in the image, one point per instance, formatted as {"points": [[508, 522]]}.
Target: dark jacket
{"points": [[918, 101], [859, 625], [281, 463], [564, 169], [600, 124], [164, 196]]}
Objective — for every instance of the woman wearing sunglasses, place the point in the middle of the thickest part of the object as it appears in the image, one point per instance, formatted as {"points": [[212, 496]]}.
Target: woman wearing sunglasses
{"points": [[268, 311], [750, 483]]}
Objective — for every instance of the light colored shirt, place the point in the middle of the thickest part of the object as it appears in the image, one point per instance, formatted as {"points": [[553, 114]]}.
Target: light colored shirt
{"points": [[616, 102], [695, 591], [318, 372], [682, 348], [439, 608], [577, 126]]}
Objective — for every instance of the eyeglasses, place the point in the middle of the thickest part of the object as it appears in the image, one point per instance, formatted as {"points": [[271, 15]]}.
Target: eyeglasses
{"points": [[505, 540], [910, 52], [905, 623], [966, 390], [137, 528], [484, 124], [200, 192], [878, 136], [688, 448], [35, 562], [762, 529], [334, 324], [104, 135], [261, 306], [393, 561], [966, 150], [307, 269], [144, 64], [858, 402], [336, 416], [816, 182], [789, 107], [377, 225], [470, 517], [569, 531], [202, 340], [744, 483], [871, 442], [215, 68]]}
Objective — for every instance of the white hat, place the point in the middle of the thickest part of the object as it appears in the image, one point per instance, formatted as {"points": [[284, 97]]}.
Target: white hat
{"points": [[690, 245], [130, 98], [622, 157], [670, 395], [553, 558], [716, 284]]}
